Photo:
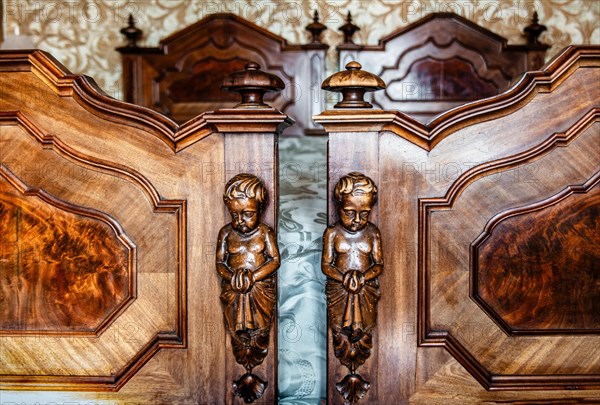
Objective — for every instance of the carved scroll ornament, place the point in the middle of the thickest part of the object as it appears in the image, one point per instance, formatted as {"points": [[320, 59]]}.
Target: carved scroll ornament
{"points": [[247, 259], [353, 261]]}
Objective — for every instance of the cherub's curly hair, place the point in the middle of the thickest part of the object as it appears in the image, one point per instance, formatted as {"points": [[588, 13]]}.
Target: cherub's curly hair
{"points": [[245, 185], [355, 183]]}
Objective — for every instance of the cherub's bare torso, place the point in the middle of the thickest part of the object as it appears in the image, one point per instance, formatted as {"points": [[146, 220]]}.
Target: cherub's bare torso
{"points": [[353, 250], [246, 250]]}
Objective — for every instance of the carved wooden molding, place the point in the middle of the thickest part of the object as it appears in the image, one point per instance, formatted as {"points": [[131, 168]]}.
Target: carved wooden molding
{"points": [[443, 61], [428, 136], [51, 118], [175, 136], [176, 338], [442, 15], [489, 78], [429, 337], [17, 118], [190, 31], [178, 87]]}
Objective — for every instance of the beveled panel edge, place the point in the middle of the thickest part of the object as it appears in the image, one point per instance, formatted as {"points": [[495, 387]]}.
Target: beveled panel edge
{"points": [[477, 72], [87, 93], [94, 383], [176, 339], [217, 19], [426, 205], [557, 139], [487, 232], [48, 141], [426, 337], [509, 382], [427, 136]]}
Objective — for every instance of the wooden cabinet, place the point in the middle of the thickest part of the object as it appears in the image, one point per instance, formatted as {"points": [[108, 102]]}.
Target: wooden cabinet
{"points": [[110, 215], [489, 228], [487, 219], [182, 77], [442, 61]]}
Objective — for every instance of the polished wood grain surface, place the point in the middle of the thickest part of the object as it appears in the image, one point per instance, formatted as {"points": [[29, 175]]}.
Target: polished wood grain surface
{"points": [[138, 175], [63, 270], [439, 185], [441, 80], [206, 79], [536, 267]]}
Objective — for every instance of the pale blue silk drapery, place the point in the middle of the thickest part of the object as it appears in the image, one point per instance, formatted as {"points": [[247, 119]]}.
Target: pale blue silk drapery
{"points": [[301, 284]]}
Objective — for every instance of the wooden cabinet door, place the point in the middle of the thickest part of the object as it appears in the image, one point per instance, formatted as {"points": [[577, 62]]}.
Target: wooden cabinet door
{"points": [[489, 226], [109, 215]]}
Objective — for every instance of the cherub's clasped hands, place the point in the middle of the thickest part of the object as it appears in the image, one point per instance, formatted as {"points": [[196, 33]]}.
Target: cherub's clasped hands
{"points": [[242, 280], [354, 280]]}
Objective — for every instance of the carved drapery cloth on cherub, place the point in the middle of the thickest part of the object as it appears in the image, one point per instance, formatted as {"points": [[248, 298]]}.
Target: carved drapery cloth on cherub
{"points": [[247, 259], [352, 261]]}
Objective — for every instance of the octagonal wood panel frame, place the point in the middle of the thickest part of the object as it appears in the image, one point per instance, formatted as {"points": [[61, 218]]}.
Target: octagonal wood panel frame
{"points": [[488, 231], [87, 94], [428, 337]]}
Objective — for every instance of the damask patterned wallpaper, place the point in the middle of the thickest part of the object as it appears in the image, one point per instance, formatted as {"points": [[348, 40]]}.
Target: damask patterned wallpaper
{"points": [[83, 34]]}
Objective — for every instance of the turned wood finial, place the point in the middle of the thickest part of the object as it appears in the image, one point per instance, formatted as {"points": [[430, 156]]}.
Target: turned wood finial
{"points": [[315, 28], [353, 83], [348, 29], [534, 30], [252, 83], [131, 32]]}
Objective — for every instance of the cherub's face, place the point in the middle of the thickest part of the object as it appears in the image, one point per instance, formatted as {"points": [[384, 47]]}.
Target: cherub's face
{"points": [[354, 211], [244, 214]]}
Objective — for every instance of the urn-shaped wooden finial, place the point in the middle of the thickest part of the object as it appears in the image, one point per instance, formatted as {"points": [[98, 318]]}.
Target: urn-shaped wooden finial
{"points": [[252, 83], [348, 29], [131, 32], [353, 83], [534, 30], [315, 28]]}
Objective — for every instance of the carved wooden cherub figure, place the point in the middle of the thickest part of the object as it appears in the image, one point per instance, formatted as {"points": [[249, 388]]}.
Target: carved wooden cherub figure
{"points": [[247, 258], [352, 261]]}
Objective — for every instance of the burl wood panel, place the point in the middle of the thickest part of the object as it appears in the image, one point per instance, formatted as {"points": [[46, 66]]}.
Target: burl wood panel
{"points": [[538, 270], [61, 270], [71, 177]]}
